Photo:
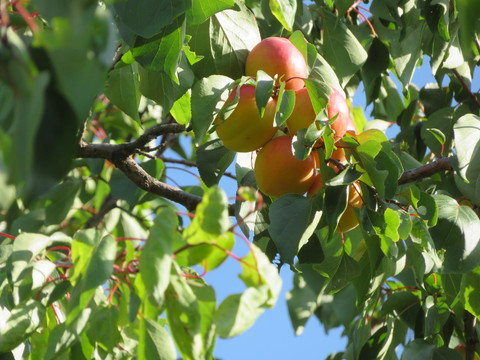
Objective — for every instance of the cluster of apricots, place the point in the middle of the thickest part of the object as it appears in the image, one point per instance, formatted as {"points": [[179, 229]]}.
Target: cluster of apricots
{"points": [[277, 171]]}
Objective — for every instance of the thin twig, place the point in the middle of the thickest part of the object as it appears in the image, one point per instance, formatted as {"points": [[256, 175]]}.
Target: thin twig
{"points": [[466, 87]]}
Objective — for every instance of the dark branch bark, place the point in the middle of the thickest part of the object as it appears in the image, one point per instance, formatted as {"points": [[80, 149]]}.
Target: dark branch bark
{"points": [[121, 156], [442, 164]]}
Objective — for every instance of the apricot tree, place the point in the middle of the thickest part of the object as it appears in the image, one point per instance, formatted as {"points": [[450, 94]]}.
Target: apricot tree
{"points": [[103, 256]]}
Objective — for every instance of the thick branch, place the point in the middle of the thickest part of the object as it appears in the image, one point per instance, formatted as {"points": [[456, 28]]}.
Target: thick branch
{"points": [[121, 156], [148, 183], [442, 164]]}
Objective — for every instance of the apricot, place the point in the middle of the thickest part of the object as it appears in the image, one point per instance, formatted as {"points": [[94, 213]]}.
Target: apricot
{"points": [[245, 130], [303, 114], [354, 196], [348, 221], [278, 172], [337, 104], [278, 56], [316, 186]]}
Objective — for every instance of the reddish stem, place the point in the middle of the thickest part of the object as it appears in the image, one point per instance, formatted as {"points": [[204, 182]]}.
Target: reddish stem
{"points": [[66, 248], [7, 235], [25, 15], [112, 291]]}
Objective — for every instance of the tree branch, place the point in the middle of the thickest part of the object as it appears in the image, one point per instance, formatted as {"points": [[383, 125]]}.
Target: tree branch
{"points": [[121, 156], [442, 164]]}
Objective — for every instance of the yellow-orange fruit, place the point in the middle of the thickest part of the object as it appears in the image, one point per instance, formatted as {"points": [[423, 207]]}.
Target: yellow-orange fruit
{"points": [[354, 196], [278, 172], [316, 186], [337, 104], [348, 221], [245, 130], [276, 55], [303, 114]]}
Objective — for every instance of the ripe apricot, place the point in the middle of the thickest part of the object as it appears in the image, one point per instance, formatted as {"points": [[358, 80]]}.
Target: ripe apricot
{"points": [[303, 114], [348, 221], [337, 104], [276, 55], [245, 130], [278, 172], [354, 196]]}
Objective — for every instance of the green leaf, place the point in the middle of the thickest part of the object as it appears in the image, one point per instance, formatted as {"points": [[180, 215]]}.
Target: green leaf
{"points": [[65, 335], [184, 319], [293, 219], [156, 257], [93, 257], [285, 105], [470, 287], [122, 89], [467, 135], [22, 321], [155, 342], [458, 233], [62, 198], [303, 299], [263, 91], [258, 270], [27, 118], [238, 312], [163, 51], [284, 11], [103, 327], [406, 51], [182, 109], [25, 249], [202, 9], [148, 17], [445, 353], [224, 41], [208, 96], [213, 159], [336, 198], [319, 93], [467, 11], [341, 48], [418, 350], [160, 87]]}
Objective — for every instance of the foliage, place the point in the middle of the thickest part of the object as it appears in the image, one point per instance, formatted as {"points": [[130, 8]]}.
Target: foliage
{"points": [[97, 259]]}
